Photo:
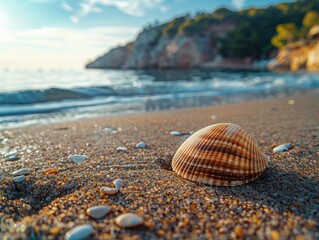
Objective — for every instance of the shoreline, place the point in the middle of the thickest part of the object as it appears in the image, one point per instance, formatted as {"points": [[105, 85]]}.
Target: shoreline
{"points": [[104, 111], [279, 204]]}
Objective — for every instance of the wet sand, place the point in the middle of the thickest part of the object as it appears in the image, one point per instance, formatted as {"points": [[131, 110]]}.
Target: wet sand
{"points": [[282, 203]]}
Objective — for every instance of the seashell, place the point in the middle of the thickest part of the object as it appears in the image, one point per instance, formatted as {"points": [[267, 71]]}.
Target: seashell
{"points": [[80, 232], [18, 178], [140, 145], [22, 171], [51, 171], [77, 158], [222, 154], [109, 191], [282, 148], [118, 183], [128, 220], [98, 211]]}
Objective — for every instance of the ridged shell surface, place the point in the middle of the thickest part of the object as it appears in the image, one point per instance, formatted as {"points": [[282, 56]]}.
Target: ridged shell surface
{"points": [[223, 154]]}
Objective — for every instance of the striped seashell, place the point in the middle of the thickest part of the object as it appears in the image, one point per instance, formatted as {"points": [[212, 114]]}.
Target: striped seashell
{"points": [[222, 154]]}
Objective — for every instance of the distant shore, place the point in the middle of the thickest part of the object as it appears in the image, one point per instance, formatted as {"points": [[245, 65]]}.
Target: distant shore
{"points": [[280, 204]]}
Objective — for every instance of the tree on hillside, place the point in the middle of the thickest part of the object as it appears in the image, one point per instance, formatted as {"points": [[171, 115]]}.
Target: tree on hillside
{"points": [[311, 18], [286, 33]]}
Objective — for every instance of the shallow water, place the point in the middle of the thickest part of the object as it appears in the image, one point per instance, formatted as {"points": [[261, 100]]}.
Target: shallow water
{"points": [[29, 97]]}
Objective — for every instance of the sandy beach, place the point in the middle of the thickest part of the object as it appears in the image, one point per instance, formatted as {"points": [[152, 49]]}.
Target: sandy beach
{"points": [[281, 204]]}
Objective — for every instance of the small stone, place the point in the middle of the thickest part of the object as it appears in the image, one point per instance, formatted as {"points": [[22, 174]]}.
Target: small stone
{"points": [[239, 231], [140, 145], [110, 130], [191, 132], [109, 191], [77, 158], [213, 117], [291, 102], [51, 171], [81, 232], [121, 149], [18, 179], [118, 183], [282, 148], [98, 211], [175, 133], [13, 158], [55, 230], [22, 171], [128, 220], [274, 235]]}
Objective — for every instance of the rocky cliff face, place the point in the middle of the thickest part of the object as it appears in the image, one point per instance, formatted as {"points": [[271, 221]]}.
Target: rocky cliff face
{"points": [[152, 49], [304, 56]]}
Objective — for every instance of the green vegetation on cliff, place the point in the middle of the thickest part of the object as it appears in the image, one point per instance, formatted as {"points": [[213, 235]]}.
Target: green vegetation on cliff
{"points": [[258, 31]]}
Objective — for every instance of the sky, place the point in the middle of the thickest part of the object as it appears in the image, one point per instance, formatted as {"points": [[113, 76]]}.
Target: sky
{"points": [[69, 33]]}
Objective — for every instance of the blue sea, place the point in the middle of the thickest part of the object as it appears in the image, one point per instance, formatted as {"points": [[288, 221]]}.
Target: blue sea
{"points": [[31, 97]]}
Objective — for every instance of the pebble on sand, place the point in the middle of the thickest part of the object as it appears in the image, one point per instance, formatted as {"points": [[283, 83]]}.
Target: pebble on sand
{"points": [[121, 149], [175, 133], [213, 117], [109, 191], [51, 171], [128, 220], [140, 145], [110, 129], [22, 171], [118, 183], [18, 179], [81, 232], [13, 158], [98, 212], [291, 102], [282, 148], [77, 158]]}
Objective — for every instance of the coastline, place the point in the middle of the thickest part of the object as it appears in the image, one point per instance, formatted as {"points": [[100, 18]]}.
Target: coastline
{"points": [[279, 204]]}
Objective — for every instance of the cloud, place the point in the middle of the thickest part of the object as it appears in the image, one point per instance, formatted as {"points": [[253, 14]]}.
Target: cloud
{"points": [[60, 47], [239, 4], [40, 1], [67, 7], [135, 8]]}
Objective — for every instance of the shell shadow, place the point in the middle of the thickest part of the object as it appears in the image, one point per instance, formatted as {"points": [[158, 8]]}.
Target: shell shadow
{"points": [[30, 196], [282, 191]]}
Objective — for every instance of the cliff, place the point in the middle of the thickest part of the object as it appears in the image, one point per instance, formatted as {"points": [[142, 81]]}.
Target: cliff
{"points": [[300, 55], [152, 49], [221, 39]]}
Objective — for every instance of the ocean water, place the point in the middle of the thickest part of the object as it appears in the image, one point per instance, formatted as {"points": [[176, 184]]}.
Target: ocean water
{"points": [[29, 97]]}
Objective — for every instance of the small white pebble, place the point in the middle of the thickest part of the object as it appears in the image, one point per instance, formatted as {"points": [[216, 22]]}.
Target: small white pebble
{"points": [[121, 149], [22, 171], [98, 211], [13, 158], [77, 158], [108, 190], [213, 117], [175, 133], [110, 130], [80, 232], [18, 179], [282, 148], [128, 220], [291, 102], [140, 145], [118, 183]]}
